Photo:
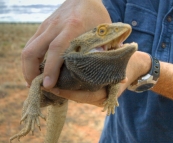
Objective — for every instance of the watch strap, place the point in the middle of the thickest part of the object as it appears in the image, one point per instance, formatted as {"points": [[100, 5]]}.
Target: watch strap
{"points": [[155, 68], [147, 81]]}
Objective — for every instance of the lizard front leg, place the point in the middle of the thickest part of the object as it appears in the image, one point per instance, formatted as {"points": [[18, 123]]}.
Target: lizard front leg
{"points": [[112, 100], [31, 109], [55, 121]]}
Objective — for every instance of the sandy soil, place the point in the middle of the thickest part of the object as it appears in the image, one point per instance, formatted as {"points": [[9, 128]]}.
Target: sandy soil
{"points": [[84, 123]]}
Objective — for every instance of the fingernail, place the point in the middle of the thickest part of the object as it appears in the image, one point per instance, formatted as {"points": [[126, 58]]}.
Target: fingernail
{"points": [[27, 85], [47, 82]]}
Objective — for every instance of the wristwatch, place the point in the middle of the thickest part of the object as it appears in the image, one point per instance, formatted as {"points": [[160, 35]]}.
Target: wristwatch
{"points": [[147, 81]]}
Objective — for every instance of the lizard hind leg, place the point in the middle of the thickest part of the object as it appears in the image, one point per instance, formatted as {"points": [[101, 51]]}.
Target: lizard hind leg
{"points": [[31, 109], [112, 100]]}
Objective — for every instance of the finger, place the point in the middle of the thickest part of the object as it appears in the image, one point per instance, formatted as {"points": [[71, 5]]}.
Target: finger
{"points": [[32, 126], [38, 123], [39, 31], [23, 118], [54, 58], [96, 98], [113, 110], [42, 116], [108, 111], [124, 80], [73, 28], [34, 53]]}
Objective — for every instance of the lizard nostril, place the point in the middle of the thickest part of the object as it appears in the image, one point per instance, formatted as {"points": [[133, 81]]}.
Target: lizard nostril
{"points": [[116, 29]]}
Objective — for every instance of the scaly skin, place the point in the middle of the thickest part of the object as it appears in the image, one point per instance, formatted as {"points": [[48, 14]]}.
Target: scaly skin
{"points": [[55, 121], [31, 109], [94, 60]]}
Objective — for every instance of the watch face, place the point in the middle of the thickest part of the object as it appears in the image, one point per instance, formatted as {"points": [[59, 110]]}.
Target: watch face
{"points": [[144, 87]]}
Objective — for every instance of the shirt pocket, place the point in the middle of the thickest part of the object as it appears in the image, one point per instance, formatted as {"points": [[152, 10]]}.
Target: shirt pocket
{"points": [[143, 22]]}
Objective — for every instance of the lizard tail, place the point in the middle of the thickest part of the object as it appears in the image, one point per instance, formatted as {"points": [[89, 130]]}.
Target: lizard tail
{"points": [[55, 121]]}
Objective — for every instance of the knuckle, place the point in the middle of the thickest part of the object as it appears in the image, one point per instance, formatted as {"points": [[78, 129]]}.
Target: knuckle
{"points": [[56, 46], [53, 46], [43, 25], [74, 22], [45, 22], [27, 54], [40, 28], [49, 22], [53, 22]]}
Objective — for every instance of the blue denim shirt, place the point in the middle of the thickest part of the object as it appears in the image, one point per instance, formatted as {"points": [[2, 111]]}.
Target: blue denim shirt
{"points": [[146, 117]]}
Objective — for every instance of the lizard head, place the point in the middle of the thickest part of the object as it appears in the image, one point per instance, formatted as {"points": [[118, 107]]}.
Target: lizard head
{"points": [[105, 37], [101, 48]]}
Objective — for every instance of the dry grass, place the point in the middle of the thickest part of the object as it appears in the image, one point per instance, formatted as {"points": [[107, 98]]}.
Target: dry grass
{"points": [[14, 37], [84, 123]]}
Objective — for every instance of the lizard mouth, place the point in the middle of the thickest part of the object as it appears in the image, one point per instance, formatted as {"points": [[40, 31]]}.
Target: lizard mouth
{"points": [[108, 48], [113, 44]]}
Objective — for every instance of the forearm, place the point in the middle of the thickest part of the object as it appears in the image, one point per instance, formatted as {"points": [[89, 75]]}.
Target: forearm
{"points": [[140, 64], [164, 85]]}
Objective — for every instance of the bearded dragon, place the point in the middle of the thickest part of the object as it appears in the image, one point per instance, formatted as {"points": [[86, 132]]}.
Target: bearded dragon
{"points": [[94, 60]]}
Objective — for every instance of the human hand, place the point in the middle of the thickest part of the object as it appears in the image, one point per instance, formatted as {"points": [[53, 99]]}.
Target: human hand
{"points": [[53, 36], [95, 98], [138, 65]]}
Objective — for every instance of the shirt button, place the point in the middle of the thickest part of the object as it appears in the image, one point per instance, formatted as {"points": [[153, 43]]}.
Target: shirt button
{"points": [[163, 45], [134, 23], [169, 18]]}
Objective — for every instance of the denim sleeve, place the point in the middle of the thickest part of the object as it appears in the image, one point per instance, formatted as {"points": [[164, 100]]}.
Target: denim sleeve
{"points": [[116, 9]]}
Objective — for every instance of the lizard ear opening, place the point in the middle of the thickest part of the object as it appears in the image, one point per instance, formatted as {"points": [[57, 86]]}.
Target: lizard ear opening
{"points": [[78, 49]]}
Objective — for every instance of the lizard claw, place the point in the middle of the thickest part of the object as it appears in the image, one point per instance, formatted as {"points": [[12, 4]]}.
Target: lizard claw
{"points": [[29, 118], [112, 100], [31, 109], [23, 132], [110, 106]]}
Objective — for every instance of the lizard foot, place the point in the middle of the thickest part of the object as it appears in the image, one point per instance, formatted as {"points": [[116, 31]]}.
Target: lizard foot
{"points": [[110, 105], [30, 118]]}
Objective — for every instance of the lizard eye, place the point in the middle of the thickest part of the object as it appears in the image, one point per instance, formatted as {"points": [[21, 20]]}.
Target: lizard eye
{"points": [[102, 30]]}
